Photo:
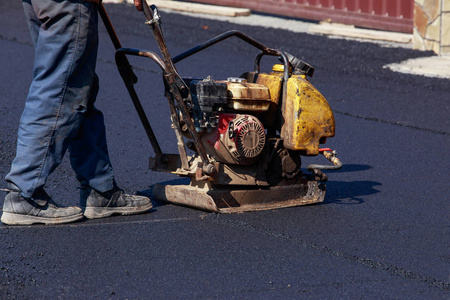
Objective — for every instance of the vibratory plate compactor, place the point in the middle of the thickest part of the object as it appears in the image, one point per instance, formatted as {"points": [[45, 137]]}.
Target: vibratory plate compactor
{"points": [[247, 133]]}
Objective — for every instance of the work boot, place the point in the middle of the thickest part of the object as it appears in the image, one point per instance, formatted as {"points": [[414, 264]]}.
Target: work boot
{"points": [[115, 201], [18, 210]]}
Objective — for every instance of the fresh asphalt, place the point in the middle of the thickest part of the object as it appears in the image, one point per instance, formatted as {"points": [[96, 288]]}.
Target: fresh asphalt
{"points": [[382, 231]]}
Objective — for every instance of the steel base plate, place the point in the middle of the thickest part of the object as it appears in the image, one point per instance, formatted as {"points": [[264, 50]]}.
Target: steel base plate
{"points": [[233, 199]]}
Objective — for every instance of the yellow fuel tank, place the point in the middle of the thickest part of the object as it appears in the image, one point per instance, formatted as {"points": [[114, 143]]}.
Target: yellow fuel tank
{"points": [[307, 117]]}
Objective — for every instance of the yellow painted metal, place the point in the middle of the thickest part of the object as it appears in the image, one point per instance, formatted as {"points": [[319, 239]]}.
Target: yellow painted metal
{"points": [[247, 91], [307, 117], [279, 68], [274, 83]]}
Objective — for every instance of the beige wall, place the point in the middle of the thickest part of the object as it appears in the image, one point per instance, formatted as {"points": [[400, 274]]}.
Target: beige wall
{"points": [[432, 26]]}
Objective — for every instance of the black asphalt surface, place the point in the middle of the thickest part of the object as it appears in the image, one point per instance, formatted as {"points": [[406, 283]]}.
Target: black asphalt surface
{"points": [[382, 232]]}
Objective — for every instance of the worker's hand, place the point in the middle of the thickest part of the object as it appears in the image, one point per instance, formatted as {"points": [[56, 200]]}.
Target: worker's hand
{"points": [[138, 4]]}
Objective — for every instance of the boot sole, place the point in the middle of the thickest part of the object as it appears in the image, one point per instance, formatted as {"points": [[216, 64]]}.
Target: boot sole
{"points": [[18, 219], [103, 212]]}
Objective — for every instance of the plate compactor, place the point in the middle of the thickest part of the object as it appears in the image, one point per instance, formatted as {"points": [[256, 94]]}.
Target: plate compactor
{"points": [[247, 133]]}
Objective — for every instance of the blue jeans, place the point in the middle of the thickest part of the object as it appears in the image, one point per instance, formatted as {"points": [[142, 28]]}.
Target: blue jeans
{"points": [[59, 113]]}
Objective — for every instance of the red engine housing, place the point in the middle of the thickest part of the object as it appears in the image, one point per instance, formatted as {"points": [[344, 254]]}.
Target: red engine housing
{"points": [[237, 139]]}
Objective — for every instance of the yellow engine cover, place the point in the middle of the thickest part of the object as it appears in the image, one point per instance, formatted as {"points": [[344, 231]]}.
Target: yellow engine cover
{"points": [[307, 117]]}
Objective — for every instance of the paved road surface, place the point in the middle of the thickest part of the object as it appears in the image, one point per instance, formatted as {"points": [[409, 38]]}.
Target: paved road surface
{"points": [[382, 231]]}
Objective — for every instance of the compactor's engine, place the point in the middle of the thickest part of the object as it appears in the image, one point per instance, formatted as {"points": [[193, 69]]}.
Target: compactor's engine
{"points": [[224, 114], [239, 120]]}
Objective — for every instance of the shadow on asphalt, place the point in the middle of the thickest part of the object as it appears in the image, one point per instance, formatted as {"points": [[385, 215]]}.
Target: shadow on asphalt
{"points": [[349, 192], [344, 192], [351, 168]]}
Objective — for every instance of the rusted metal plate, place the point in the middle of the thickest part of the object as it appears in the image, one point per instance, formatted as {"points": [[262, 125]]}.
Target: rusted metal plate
{"points": [[392, 15], [185, 195], [237, 200]]}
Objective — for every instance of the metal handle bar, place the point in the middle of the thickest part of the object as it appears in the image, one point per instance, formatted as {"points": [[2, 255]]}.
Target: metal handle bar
{"points": [[224, 36]]}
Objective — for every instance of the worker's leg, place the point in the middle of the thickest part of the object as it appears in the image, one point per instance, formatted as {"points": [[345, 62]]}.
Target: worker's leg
{"points": [[88, 150], [58, 99], [59, 113]]}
